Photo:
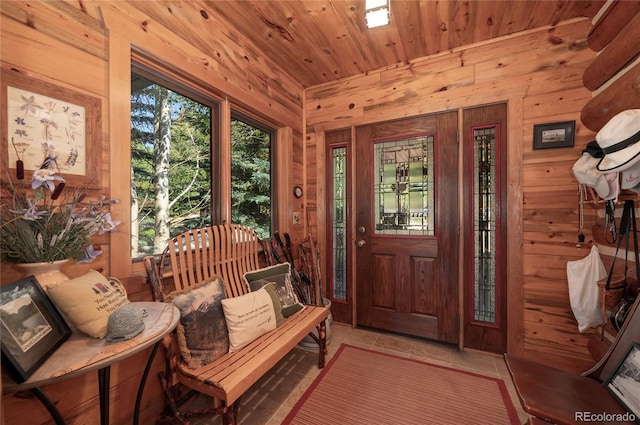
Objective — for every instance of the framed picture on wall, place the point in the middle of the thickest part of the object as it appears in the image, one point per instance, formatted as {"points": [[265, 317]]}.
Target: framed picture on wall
{"points": [[624, 383], [31, 327], [554, 135], [40, 119]]}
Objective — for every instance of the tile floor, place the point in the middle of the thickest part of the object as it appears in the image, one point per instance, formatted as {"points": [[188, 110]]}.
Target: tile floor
{"points": [[269, 401]]}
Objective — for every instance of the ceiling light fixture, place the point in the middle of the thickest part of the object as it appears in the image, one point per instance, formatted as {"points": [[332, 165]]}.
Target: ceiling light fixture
{"points": [[376, 13]]}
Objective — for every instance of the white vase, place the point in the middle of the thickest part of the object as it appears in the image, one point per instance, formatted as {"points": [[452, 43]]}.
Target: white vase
{"points": [[45, 273]]}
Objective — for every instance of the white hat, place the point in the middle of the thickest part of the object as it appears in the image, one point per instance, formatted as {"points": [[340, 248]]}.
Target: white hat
{"points": [[614, 185], [631, 178], [619, 141], [586, 172]]}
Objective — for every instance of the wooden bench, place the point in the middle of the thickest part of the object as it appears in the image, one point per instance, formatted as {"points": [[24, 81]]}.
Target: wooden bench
{"points": [[556, 396], [228, 251]]}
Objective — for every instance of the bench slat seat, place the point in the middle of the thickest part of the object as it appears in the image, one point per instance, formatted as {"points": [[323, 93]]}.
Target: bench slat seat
{"points": [[228, 251], [231, 375]]}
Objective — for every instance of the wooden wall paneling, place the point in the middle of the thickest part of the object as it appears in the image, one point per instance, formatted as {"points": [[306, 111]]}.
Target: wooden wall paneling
{"points": [[622, 50], [557, 106], [545, 85], [120, 156], [515, 255], [62, 22], [37, 54], [616, 15], [372, 98], [315, 195]]}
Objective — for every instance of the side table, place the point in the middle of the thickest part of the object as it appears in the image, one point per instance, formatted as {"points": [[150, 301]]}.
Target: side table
{"points": [[81, 354]]}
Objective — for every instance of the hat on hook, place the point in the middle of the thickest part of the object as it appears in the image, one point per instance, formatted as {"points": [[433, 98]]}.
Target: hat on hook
{"points": [[631, 178], [619, 141], [613, 181], [586, 173]]}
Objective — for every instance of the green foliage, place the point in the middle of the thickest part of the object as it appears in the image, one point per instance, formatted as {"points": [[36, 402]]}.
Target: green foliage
{"points": [[251, 177], [36, 226], [191, 170]]}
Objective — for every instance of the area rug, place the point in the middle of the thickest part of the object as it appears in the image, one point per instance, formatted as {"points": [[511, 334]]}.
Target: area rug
{"points": [[360, 386]]}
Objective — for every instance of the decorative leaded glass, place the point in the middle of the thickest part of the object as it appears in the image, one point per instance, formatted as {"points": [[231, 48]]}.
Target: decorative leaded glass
{"points": [[403, 187], [339, 199], [484, 230]]}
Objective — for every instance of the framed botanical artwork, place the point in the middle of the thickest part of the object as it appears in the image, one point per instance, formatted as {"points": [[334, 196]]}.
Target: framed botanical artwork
{"points": [[32, 328], [624, 383], [554, 135], [40, 119]]}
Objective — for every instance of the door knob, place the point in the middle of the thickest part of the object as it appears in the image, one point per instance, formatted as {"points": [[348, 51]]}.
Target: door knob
{"points": [[362, 229], [360, 243]]}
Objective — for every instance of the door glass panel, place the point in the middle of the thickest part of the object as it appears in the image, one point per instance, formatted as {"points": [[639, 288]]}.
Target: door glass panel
{"points": [[484, 195], [339, 245], [404, 185]]}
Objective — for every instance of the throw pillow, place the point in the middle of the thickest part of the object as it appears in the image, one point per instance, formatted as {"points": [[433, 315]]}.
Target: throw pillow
{"points": [[88, 300], [252, 315], [280, 274], [202, 331]]}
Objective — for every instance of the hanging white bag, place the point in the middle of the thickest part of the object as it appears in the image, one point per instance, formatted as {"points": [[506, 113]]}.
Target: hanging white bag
{"points": [[583, 276]]}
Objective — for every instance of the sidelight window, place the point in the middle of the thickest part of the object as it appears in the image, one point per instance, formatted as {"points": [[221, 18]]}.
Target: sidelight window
{"points": [[339, 223], [484, 227]]}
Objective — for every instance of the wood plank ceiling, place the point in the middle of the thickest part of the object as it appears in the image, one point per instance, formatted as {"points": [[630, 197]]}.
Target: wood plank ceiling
{"points": [[322, 41]]}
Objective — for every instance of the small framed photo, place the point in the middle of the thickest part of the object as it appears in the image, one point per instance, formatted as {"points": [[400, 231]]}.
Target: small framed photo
{"points": [[554, 135], [32, 327], [624, 383]]}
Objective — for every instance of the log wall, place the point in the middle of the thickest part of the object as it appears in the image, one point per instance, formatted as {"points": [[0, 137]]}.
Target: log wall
{"points": [[539, 74]]}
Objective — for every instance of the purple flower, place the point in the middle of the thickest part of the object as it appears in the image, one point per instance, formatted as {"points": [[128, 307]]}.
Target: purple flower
{"points": [[30, 213], [90, 253], [44, 177], [107, 224]]}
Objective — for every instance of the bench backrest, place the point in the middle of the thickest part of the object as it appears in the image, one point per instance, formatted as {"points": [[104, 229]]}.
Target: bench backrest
{"points": [[225, 250], [629, 333]]}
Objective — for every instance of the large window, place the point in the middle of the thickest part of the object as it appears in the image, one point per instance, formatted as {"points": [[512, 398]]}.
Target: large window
{"points": [[171, 162], [251, 176], [176, 152]]}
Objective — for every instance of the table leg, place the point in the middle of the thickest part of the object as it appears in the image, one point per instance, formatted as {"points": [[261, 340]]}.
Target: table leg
{"points": [[103, 386], [143, 380], [46, 402]]}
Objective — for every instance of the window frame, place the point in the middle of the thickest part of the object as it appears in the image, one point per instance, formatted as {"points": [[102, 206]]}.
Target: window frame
{"points": [[214, 104], [144, 64]]}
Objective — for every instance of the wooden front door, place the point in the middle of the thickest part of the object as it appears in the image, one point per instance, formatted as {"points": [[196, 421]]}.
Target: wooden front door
{"points": [[407, 226]]}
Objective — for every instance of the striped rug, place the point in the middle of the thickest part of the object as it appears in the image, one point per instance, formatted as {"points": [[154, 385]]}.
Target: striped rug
{"points": [[360, 386]]}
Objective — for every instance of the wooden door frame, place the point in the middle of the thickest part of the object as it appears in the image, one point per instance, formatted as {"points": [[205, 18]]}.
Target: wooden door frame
{"points": [[514, 256]]}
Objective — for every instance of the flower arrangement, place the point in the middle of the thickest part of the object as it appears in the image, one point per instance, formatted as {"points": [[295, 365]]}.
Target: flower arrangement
{"points": [[40, 222]]}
